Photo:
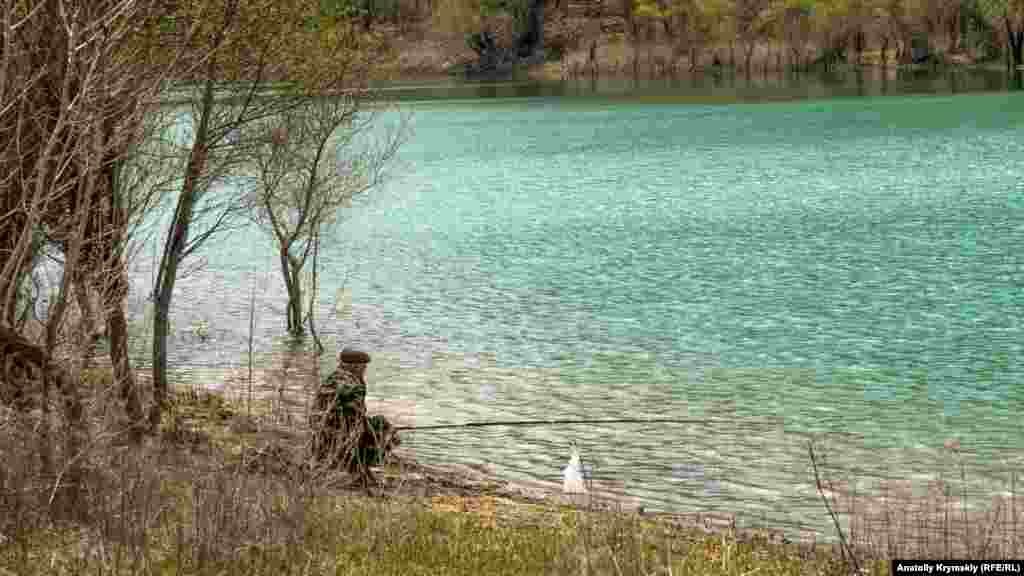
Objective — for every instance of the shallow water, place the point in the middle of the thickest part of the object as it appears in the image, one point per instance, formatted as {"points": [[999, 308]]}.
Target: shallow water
{"points": [[846, 270]]}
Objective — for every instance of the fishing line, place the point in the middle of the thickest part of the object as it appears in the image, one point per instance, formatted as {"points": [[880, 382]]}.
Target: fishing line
{"points": [[552, 423]]}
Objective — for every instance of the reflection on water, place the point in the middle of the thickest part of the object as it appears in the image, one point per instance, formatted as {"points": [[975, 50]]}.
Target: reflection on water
{"points": [[726, 87]]}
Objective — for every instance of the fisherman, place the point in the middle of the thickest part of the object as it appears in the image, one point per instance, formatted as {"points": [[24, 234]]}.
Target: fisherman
{"points": [[342, 434]]}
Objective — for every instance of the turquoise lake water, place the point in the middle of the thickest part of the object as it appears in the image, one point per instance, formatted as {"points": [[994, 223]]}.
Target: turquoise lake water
{"points": [[848, 270]]}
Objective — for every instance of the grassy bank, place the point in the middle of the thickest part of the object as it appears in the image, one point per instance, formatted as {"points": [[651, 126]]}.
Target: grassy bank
{"points": [[224, 491]]}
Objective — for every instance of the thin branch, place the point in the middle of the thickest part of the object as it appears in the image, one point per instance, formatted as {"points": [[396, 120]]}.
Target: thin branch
{"points": [[847, 551]]}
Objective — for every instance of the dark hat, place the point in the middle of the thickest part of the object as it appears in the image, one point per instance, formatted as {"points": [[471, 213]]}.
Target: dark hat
{"points": [[353, 356]]}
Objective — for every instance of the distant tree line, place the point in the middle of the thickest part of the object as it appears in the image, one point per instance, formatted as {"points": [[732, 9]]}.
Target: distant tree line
{"points": [[833, 30], [796, 33]]}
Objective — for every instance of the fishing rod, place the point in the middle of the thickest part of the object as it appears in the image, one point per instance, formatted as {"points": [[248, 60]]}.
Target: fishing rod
{"points": [[552, 423]]}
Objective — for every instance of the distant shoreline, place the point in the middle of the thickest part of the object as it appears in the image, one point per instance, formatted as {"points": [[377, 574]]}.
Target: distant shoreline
{"points": [[613, 55]]}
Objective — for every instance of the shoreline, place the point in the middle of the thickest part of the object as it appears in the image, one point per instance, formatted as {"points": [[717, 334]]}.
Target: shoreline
{"points": [[554, 72], [447, 487], [425, 478], [426, 56], [280, 394], [455, 487]]}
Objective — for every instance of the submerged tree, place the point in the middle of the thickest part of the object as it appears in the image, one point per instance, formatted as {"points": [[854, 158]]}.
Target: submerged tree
{"points": [[309, 163]]}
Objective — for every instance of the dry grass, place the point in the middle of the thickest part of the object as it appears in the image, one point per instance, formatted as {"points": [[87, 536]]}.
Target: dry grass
{"points": [[938, 520], [219, 492]]}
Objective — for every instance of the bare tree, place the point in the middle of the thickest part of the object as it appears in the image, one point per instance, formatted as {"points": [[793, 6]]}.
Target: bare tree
{"points": [[797, 32], [240, 84], [311, 162], [75, 85], [753, 18]]}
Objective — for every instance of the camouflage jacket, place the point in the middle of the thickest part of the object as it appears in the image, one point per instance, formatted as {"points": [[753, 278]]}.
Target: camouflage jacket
{"points": [[338, 418], [341, 398]]}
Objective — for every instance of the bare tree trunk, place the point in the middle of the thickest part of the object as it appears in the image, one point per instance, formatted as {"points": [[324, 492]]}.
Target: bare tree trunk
{"points": [[293, 282], [124, 376], [165, 289], [76, 428], [174, 250], [858, 44], [312, 296], [73, 268], [667, 25], [115, 290], [88, 316], [953, 27], [1014, 41], [75, 440]]}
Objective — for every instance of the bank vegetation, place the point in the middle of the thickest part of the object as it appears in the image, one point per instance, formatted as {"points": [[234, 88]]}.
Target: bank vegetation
{"points": [[663, 37]]}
